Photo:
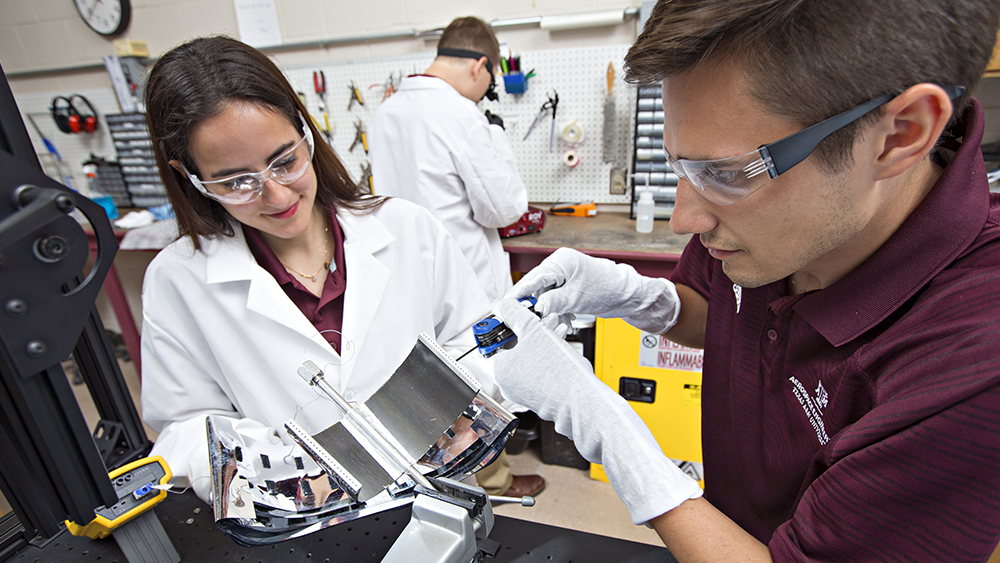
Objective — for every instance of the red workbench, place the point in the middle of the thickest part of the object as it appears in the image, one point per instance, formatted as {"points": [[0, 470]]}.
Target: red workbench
{"points": [[608, 235]]}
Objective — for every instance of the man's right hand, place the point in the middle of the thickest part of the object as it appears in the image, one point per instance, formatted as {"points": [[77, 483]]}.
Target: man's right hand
{"points": [[570, 282]]}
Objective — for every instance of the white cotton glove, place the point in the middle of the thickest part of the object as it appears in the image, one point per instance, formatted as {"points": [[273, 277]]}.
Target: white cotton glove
{"points": [[543, 373], [569, 282]]}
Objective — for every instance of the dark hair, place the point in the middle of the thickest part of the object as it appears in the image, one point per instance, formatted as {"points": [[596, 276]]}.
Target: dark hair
{"points": [[473, 34], [194, 82], [808, 60]]}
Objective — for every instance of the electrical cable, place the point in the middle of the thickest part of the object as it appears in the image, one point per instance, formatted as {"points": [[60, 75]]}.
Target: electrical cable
{"points": [[467, 353]]}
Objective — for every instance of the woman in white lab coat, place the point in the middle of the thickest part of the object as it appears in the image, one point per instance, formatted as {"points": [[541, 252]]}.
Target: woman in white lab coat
{"points": [[271, 228]]}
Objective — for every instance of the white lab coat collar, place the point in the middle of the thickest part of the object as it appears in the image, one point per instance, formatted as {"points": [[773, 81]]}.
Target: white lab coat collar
{"points": [[365, 230], [417, 83], [228, 259], [422, 82]]}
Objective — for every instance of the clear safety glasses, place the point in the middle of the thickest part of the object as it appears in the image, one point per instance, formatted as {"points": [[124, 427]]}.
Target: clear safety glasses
{"points": [[286, 168], [728, 180]]}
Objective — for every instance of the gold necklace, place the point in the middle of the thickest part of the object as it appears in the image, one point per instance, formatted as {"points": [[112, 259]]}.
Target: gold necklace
{"points": [[326, 250]]}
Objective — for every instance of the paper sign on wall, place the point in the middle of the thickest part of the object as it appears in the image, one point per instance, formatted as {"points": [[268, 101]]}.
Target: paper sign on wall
{"points": [[658, 352], [257, 21]]}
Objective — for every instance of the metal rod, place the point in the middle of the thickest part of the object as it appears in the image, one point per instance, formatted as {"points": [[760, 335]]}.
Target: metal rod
{"points": [[523, 22], [523, 501], [314, 376], [55, 70]]}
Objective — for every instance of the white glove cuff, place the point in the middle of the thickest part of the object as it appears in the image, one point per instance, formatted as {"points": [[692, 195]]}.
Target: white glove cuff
{"points": [[660, 488], [606, 430], [647, 481]]}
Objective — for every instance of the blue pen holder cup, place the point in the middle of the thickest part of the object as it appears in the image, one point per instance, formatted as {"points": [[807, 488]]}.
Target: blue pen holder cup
{"points": [[515, 83]]}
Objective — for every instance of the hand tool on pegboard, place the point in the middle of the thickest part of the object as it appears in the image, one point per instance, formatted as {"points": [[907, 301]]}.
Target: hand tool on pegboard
{"points": [[359, 137], [319, 83], [355, 96], [550, 105], [610, 119]]}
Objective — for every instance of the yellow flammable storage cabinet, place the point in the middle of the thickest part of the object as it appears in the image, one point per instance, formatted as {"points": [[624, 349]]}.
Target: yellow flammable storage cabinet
{"points": [[662, 382]]}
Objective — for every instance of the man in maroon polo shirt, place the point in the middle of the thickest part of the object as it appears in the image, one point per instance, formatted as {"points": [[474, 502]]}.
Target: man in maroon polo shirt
{"points": [[844, 283]]}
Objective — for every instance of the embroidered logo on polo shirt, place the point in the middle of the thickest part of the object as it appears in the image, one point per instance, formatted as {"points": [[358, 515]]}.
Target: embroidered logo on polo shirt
{"points": [[813, 407], [822, 398], [738, 291]]}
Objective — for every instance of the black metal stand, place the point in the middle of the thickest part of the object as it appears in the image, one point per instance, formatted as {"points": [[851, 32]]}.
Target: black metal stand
{"points": [[50, 469]]}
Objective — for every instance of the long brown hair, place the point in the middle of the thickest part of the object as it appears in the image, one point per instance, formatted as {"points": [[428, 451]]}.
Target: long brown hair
{"points": [[194, 82], [808, 60]]}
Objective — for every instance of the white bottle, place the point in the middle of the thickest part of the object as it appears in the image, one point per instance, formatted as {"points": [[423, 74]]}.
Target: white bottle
{"points": [[644, 212]]}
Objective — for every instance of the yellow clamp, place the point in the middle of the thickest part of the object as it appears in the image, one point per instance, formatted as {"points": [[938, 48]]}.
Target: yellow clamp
{"points": [[135, 484]]}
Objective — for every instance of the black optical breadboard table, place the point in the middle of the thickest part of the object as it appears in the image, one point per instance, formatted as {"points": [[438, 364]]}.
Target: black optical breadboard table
{"points": [[189, 524]]}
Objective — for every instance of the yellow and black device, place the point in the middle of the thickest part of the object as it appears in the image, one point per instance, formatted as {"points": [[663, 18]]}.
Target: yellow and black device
{"points": [[134, 484]]}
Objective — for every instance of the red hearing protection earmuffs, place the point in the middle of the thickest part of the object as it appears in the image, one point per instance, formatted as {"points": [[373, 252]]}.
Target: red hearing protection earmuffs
{"points": [[69, 119]]}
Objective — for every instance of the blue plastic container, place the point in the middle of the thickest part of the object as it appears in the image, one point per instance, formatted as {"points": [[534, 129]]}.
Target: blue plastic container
{"points": [[515, 83], [107, 203]]}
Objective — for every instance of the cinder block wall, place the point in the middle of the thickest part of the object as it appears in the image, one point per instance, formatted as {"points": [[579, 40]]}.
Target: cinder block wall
{"points": [[44, 34]]}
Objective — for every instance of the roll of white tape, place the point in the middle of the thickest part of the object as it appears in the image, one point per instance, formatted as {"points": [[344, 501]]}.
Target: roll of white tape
{"points": [[572, 133], [571, 159]]}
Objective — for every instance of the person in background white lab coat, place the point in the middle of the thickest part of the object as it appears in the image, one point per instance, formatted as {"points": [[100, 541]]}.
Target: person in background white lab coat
{"points": [[271, 228], [430, 144]]}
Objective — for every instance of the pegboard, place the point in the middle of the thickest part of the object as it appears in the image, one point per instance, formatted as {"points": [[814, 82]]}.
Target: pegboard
{"points": [[74, 148], [369, 76], [579, 76]]}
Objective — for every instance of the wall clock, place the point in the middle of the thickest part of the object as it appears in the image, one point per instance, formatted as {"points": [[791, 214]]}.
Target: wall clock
{"points": [[107, 17]]}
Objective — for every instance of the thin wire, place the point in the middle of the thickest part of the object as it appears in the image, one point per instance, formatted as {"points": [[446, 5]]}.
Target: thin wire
{"points": [[300, 409], [466, 354], [288, 455], [347, 347], [169, 486]]}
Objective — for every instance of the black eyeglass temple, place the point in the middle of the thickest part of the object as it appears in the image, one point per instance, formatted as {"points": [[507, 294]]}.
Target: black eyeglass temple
{"points": [[795, 148]]}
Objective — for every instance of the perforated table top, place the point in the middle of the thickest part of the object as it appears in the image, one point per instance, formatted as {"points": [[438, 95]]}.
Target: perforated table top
{"points": [[189, 524]]}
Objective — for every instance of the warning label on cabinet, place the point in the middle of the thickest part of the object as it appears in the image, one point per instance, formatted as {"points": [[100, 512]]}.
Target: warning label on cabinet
{"points": [[692, 469], [658, 352], [691, 395]]}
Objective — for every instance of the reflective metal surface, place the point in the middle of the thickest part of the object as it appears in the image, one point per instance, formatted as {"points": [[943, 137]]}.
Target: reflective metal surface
{"points": [[426, 393], [265, 493]]}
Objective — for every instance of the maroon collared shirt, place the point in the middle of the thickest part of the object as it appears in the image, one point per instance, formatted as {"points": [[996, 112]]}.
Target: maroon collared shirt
{"points": [[325, 312], [861, 422]]}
